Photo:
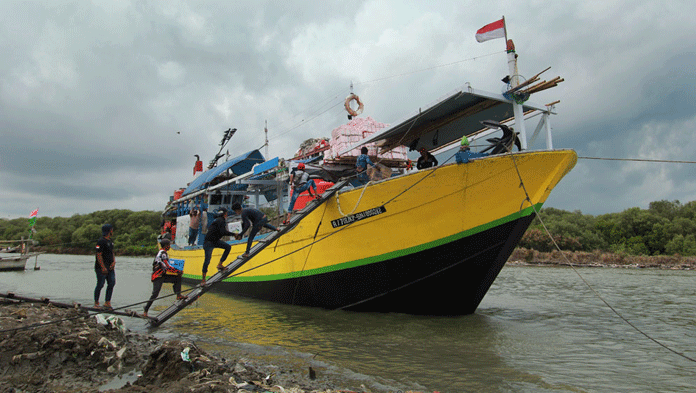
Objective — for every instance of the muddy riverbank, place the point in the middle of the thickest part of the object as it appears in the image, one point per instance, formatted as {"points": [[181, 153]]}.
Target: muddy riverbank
{"points": [[73, 351], [523, 256]]}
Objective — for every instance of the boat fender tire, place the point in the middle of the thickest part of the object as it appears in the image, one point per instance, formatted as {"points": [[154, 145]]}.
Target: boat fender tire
{"points": [[350, 110]]}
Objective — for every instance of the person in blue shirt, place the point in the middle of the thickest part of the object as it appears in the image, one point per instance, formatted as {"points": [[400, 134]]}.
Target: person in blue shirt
{"points": [[465, 154], [253, 218], [300, 182], [361, 165]]}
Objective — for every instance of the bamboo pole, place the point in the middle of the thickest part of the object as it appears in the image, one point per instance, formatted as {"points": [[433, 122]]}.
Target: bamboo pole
{"points": [[529, 81]]}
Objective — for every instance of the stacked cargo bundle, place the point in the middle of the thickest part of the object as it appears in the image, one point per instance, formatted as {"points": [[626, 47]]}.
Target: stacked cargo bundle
{"points": [[352, 133]]}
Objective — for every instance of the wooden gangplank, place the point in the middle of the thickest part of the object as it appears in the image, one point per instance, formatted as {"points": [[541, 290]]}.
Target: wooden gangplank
{"points": [[237, 263]]}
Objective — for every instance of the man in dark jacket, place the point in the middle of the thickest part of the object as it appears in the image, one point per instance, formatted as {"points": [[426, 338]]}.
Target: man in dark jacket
{"points": [[216, 231], [105, 265], [253, 218], [426, 160]]}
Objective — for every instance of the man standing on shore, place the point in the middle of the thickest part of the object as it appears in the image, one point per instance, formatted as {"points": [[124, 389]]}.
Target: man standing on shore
{"points": [[105, 265]]}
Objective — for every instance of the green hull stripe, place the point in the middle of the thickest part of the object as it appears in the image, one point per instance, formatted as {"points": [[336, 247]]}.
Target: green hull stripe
{"points": [[379, 258]]}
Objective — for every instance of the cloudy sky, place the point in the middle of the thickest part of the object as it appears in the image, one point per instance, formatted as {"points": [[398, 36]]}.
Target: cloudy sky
{"points": [[104, 103]]}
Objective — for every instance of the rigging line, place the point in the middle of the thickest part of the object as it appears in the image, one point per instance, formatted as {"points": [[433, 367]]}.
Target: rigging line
{"points": [[427, 69], [294, 293], [638, 159], [305, 121], [321, 103], [385, 78], [583, 279]]}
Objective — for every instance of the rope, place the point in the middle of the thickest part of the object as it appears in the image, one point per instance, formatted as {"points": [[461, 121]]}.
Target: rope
{"points": [[338, 202], [335, 96], [639, 160], [316, 231], [583, 279]]}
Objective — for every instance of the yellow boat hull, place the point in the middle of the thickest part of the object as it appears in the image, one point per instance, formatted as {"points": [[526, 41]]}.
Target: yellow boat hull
{"points": [[431, 242]]}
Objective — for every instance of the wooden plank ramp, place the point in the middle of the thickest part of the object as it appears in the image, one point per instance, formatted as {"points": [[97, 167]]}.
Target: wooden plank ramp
{"points": [[237, 263], [15, 298]]}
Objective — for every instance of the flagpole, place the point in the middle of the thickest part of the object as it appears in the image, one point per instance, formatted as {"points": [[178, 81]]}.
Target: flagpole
{"points": [[33, 222], [505, 30]]}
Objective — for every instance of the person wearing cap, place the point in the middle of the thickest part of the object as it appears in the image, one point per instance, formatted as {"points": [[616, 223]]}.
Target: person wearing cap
{"points": [[216, 231], [465, 154], [104, 266], [254, 219], [426, 160], [361, 165], [300, 182], [163, 272]]}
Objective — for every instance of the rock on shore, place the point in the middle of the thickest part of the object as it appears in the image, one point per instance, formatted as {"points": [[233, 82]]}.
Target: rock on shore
{"points": [[72, 352]]}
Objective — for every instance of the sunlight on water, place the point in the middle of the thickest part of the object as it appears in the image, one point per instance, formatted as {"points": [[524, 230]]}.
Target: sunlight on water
{"points": [[538, 329]]}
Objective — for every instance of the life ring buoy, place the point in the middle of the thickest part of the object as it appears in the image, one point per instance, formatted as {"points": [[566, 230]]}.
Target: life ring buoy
{"points": [[350, 110]]}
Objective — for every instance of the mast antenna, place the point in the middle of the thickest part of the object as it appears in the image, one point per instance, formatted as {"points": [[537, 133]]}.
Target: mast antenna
{"points": [[265, 130]]}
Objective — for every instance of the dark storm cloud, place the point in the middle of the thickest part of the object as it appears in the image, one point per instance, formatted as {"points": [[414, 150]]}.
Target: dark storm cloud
{"points": [[103, 104]]}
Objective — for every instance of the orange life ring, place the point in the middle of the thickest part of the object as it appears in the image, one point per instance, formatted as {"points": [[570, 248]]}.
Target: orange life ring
{"points": [[350, 110]]}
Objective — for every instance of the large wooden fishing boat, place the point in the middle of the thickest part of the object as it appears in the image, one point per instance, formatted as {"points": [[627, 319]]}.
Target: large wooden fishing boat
{"points": [[427, 242]]}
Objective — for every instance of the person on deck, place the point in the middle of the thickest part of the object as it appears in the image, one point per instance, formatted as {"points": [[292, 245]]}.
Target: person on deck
{"points": [[104, 266], [168, 234], [426, 160], [300, 182], [193, 226], [253, 218], [361, 165], [465, 154], [216, 231], [163, 272], [204, 219]]}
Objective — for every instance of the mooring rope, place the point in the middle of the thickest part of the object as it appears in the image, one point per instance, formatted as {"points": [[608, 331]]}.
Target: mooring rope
{"points": [[582, 278], [638, 160]]}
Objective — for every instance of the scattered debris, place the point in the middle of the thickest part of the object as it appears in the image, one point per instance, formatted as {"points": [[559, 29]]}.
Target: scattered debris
{"points": [[77, 353]]}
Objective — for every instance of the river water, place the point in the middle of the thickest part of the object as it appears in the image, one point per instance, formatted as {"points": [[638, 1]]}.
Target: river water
{"points": [[539, 329]]}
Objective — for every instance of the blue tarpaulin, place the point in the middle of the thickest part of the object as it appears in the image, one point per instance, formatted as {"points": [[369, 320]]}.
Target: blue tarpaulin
{"points": [[238, 165]]}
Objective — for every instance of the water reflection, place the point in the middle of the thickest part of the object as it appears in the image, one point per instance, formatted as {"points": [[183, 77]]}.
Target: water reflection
{"points": [[445, 351], [538, 329]]}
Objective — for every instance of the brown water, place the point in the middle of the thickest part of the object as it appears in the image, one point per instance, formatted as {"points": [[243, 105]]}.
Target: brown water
{"points": [[538, 329]]}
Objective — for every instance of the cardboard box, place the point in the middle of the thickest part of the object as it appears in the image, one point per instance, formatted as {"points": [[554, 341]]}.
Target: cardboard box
{"points": [[177, 264]]}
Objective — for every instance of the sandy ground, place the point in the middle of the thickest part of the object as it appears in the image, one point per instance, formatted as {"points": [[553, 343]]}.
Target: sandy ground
{"points": [[78, 354]]}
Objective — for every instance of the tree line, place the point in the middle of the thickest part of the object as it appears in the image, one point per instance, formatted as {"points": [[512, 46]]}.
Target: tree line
{"points": [[664, 228], [135, 233]]}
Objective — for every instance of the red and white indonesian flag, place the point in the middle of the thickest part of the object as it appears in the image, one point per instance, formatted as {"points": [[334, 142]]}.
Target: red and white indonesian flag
{"points": [[491, 31], [32, 217]]}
